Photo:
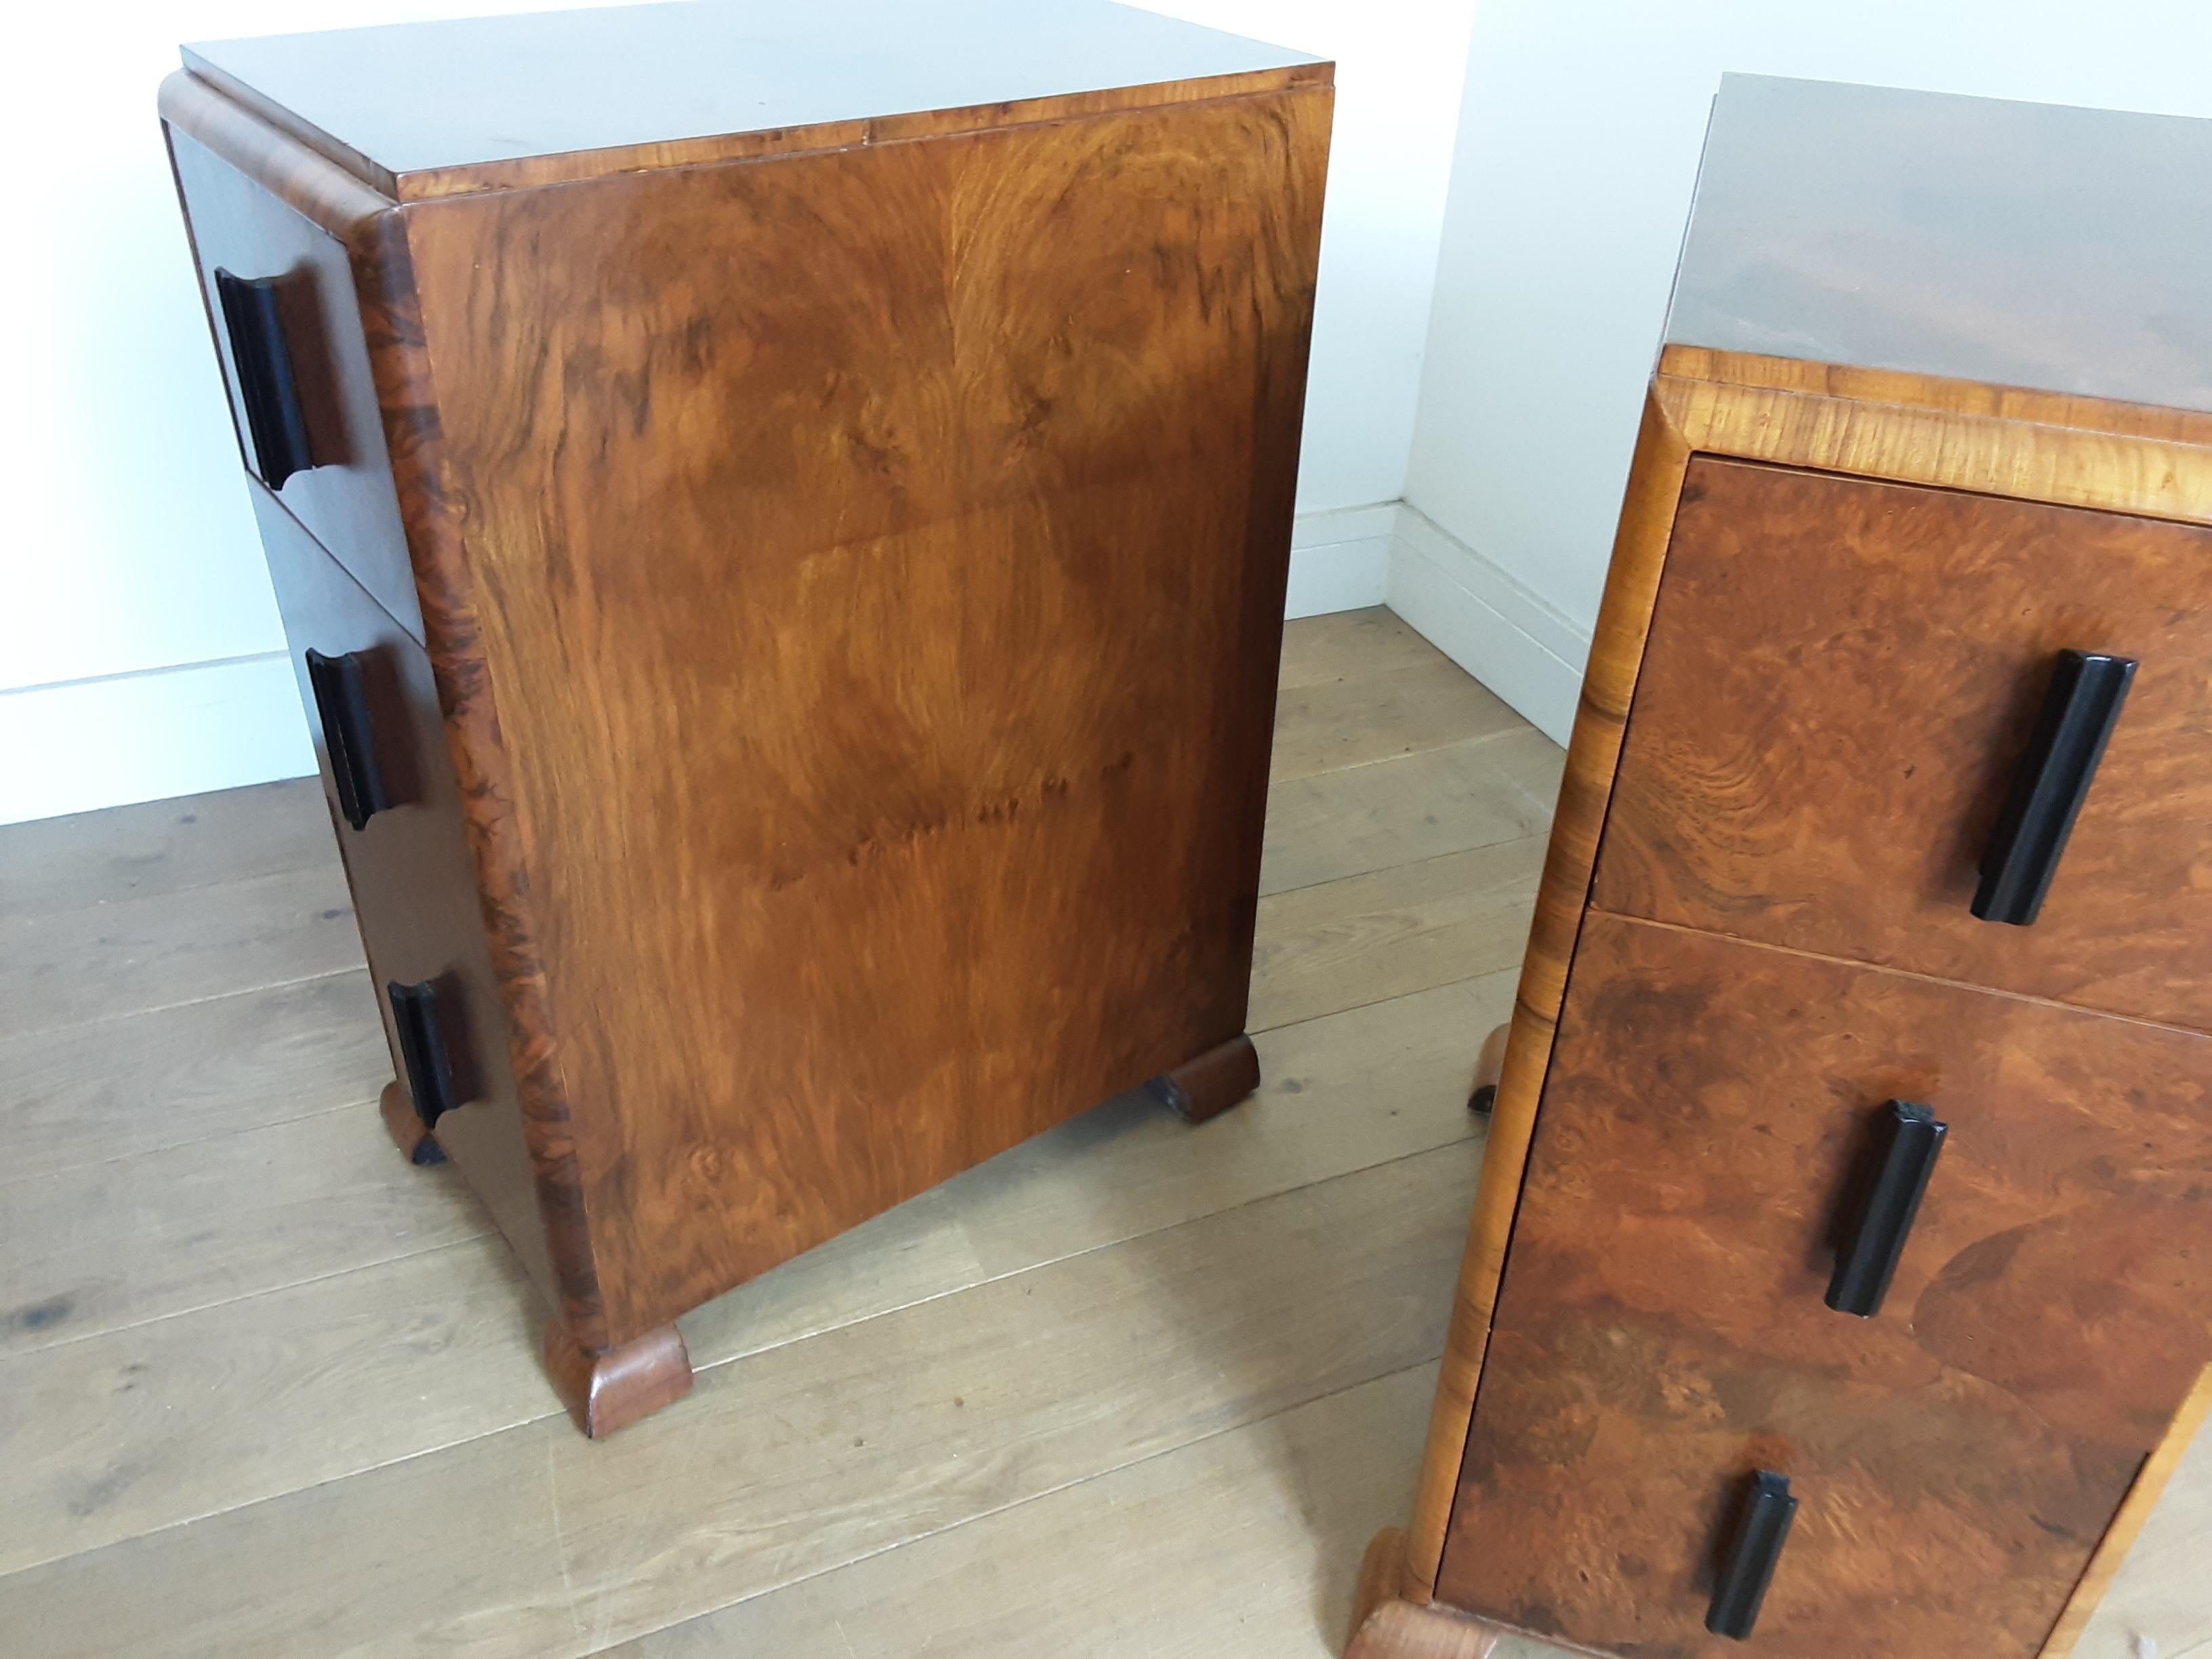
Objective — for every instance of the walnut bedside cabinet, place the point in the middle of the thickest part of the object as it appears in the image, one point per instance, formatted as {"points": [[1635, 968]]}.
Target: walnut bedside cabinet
{"points": [[1840, 1282], [780, 513]]}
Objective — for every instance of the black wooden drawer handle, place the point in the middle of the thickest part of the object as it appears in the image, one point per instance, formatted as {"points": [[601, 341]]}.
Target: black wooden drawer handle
{"points": [[423, 1049], [275, 419], [1907, 1140], [341, 689], [2078, 715], [1749, 1566]]}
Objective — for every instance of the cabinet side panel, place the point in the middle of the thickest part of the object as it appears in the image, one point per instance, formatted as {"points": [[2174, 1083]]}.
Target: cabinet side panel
{"points": [[1639, 551], [880, 555]]}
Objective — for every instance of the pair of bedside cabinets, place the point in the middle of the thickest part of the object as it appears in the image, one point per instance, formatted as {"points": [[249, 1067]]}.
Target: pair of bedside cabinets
{"points": [[785, 547], [781, 517], [1841, 1276]]}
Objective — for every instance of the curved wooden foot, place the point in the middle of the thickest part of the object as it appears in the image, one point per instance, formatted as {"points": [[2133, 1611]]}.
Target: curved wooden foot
{"points": [[1209, 1085], [1489, 1066], [1385, 1627], [406, 1128], [613, 1388]]}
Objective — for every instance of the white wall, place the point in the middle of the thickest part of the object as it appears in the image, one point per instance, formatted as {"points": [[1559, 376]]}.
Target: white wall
{"points": [[140, 654], [1577, 146]]}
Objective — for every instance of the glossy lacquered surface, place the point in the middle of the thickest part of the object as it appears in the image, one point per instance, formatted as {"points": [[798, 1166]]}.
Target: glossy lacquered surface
{"points": [[431, 98], [1843, 681], [2010, 244]]}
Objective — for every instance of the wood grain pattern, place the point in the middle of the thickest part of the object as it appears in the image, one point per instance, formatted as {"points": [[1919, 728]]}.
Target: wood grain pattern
{"points": [[1914, 631], [1384, 1626], [573, 162], [105, 1246], [131, 1432], [1662, 1328], [608, 1391], [2135, 1514], [2158, 1592], [78, 967], [1195, 1552], [2028, 446], [113, 1087], [491, 816], [1639, 551], [1326, 726], [1006, 807], [1489, 1068], [1393, 931], [1204, 1087], [137, 1428], [419, 1355], [2034, 447], [323, 194], [1096, 1363], [1350, 647], [162, 846], [404, 1125], [1375, 816]]}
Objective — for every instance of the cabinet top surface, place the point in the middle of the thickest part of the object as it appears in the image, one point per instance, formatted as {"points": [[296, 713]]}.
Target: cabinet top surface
{"points": [[419, 98], [2025, 244]]}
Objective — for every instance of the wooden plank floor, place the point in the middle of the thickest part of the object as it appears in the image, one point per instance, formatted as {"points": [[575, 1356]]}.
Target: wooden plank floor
{"points": [[1131, 1390]]}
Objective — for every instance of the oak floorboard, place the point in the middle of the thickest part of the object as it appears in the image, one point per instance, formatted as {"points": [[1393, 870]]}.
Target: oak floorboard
{"points": [[138, 954], [105, 1246], [1349, 644], [1392, 932], [804, 1457], [138, 1448], [1333, 724], [129, 1431], [116, 1087], [2163, 1593], [1477, 793], [163, 847], [1234, 1545]]}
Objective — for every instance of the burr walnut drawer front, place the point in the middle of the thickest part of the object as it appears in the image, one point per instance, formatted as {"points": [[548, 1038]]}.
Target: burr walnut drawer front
{"points": [[1735, 1141], [1868, 710], [287, 326], [372, 705]]}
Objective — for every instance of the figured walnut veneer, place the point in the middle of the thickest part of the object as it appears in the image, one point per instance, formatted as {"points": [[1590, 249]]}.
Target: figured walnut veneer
{"points": [[1639, 1320], [1842, 676], [1961, 1453], [844, 575], [1835, 597]]}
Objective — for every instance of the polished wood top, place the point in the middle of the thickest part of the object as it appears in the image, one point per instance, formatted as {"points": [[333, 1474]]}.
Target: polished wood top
{"points": [[2026, 244], [424, 109]]}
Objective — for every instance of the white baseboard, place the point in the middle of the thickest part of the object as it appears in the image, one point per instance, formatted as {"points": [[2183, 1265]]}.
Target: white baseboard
{"points": [[1517, 644], [1340, 560], [89, 743]]}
